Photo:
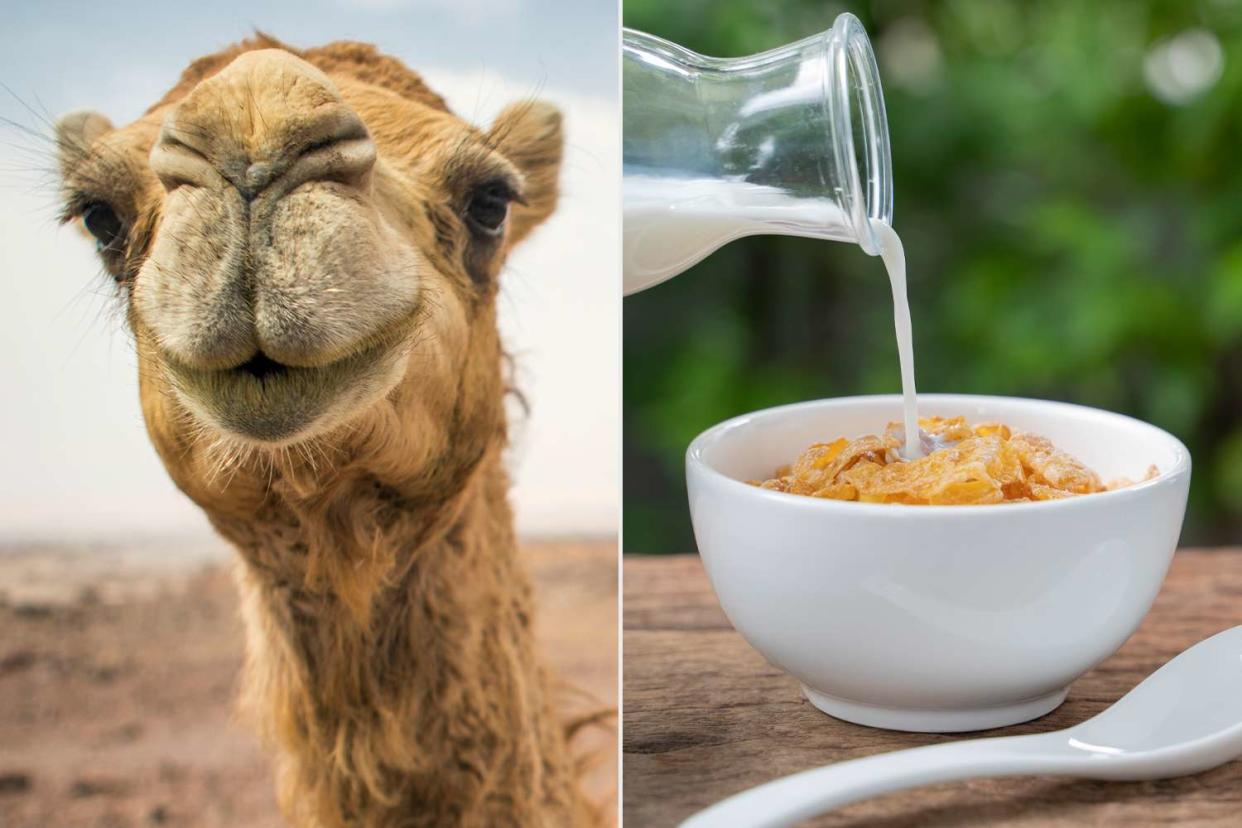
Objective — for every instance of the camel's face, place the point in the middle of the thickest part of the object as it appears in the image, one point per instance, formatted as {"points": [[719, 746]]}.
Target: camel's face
{"points": [[291, 241]]}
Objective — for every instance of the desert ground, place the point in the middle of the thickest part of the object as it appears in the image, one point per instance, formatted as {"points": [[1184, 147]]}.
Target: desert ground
{"points": [[118, 668]]}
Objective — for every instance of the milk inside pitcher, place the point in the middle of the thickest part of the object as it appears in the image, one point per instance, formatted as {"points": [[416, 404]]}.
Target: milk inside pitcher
{"points": [[792, 141]]}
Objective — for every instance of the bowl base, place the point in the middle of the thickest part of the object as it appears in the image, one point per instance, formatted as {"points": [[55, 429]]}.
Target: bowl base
{"points": [[934, 721]]}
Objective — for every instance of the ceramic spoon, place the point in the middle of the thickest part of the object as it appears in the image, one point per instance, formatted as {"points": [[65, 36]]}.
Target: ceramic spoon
{"points": [[1185, 718]]}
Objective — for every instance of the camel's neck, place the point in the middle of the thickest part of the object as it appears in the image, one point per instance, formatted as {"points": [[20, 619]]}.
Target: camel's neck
{"points": [[390, 658]]}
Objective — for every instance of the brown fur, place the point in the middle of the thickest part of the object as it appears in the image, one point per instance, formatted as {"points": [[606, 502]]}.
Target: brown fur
{"points": [[390, 657]]}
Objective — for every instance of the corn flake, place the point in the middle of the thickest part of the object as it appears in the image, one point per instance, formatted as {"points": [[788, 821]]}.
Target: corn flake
{"points": [[985, 463]]}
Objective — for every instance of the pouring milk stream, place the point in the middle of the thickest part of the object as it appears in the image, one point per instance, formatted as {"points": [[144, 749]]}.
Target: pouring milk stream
{"points": [[793, 141]]}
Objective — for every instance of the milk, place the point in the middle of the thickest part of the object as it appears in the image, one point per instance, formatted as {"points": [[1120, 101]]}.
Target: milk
{"points": [[894, 257], [672, 223]]}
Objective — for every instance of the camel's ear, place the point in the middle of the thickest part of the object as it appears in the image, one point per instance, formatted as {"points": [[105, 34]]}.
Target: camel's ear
{"points": [[529, 135], [75, 133]]}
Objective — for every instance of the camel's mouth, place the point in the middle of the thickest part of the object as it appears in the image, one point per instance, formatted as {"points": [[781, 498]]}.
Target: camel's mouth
{"points": [[261, 367], [268, 402]]}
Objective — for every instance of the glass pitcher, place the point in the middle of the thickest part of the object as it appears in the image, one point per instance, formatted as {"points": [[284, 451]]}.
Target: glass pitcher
{"points": [[791, 141]]}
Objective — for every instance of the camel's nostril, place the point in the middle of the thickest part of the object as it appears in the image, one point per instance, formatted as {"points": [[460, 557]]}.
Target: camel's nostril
{"points": [[346, 158], [261, 366]]}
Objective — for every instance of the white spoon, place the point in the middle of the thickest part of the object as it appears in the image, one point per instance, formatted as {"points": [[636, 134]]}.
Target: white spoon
{"points": [[1185, 718]]}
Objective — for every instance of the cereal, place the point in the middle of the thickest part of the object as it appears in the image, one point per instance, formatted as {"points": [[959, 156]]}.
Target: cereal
{"points": [[986, 463]]}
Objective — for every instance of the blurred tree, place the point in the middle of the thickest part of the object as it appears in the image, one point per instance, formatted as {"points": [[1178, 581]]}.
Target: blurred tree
{"points": [[1068, 190]]}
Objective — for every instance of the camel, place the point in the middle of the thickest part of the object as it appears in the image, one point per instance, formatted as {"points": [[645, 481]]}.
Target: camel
{"points": [[308, 244]]}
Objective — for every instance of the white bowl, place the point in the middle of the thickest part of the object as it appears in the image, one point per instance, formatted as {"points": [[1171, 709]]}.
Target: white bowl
{"points": [[935, 618]]}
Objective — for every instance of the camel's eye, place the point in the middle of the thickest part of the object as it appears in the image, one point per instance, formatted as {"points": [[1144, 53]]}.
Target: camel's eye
{"points": [[104, 224], [489, 207]]}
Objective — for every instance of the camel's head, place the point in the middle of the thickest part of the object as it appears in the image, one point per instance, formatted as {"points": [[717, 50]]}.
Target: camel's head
{"points": [[304, 236]]}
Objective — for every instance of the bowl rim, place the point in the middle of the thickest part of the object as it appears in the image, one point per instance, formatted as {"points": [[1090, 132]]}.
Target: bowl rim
{"points": [[695, 461]]}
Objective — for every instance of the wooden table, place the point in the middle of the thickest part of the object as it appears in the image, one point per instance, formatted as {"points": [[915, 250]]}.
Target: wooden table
{"points": [[705, 716]]}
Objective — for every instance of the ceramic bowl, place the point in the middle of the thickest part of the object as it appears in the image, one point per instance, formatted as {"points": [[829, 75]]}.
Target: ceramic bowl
{"points": [[935, 618]]}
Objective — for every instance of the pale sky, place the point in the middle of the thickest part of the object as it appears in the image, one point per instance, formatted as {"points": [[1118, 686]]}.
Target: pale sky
{"points": [[77, 462]]}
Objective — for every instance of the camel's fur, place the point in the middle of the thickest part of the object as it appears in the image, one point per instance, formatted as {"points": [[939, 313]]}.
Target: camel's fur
{"points": [[389, 647]]}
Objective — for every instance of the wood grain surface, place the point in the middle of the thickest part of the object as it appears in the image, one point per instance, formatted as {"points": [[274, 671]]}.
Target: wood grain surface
{"points": [[705, 716]]}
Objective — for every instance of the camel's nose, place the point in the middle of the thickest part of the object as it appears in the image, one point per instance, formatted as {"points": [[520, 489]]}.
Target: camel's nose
{"points": [[264, 124]]}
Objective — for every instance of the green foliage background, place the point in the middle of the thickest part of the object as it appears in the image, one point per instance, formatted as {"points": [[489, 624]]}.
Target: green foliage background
{"points": [[1068, 236]]}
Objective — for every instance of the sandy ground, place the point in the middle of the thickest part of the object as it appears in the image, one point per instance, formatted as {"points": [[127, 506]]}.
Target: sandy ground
{"points": [[118, 669]]}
